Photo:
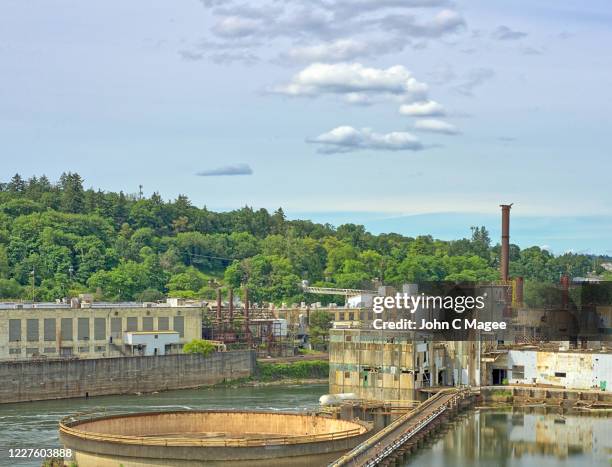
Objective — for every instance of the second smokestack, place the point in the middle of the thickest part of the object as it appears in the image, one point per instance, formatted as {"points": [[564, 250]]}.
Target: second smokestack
{"points": [[505, 242]]}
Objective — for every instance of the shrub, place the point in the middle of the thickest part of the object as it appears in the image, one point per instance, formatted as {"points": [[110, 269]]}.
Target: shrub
{"points": [[199, 346]]}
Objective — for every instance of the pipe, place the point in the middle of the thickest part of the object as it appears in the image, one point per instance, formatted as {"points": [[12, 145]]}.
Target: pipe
{"points": [[231, 305], [247, 328], [505, 242], [218, 305], [246, 307]]}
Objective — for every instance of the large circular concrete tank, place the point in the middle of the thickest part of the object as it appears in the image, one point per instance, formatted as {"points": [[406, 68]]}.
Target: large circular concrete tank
{"points": [[212, 438]]}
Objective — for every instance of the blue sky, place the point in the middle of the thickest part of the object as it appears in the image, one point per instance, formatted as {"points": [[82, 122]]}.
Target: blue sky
{"points": [[419, 116]]}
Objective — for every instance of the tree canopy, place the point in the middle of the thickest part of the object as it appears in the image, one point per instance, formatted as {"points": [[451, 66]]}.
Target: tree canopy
{"points": [[64, 239]]}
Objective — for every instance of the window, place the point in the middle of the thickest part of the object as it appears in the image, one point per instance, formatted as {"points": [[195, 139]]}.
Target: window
{"points": [[347, 374], [66, 329], [14, 351], [100, 348], [32, 351], [84, 349], [100, 329], [163, 323], [14, 330], [116, 327], [132, 324], [179, 325], [32, 330], [50, 334], [147, 323], [559, 374], [348, 338], [83, 329], [518, 371], [50, 350]]}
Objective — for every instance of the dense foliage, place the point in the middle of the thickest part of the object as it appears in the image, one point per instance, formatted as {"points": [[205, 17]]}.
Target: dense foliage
{"points": [[199, 346], [308, 369], [59, 239]]}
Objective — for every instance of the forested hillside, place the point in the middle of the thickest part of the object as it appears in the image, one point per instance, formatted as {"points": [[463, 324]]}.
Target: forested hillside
{"points": [[59, 239]]}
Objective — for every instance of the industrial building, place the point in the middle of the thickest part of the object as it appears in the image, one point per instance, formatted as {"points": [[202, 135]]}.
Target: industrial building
{"points": [[101, 330], [389, 364]]}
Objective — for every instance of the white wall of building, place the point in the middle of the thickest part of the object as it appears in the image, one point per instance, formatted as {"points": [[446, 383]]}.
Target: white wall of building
{"points": [[572, 370], [155, 343]]}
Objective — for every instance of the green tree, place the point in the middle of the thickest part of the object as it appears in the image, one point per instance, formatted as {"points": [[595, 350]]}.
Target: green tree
{"points": [[72, 193]]}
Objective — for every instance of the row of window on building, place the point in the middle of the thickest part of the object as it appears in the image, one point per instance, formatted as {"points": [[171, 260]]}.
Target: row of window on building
{"points": [[30, 351], [66, 330]]}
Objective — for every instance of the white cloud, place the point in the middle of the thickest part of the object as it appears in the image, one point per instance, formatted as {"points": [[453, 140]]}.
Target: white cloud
{"points": [[436, 126], [423, 109], [346, 78], [445, 22], [237, 169], [473, 79], [358, 98], [342, 50], [348, 139], [361, 6], [237, 26], [504, 33]]}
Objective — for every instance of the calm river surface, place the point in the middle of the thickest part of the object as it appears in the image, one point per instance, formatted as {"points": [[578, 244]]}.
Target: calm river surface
{"points": [[475, 439], [34, 424], [492, 439]]}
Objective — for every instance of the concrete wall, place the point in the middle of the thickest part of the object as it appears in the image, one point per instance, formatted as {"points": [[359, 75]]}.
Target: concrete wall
{"points": [[58, 379]]}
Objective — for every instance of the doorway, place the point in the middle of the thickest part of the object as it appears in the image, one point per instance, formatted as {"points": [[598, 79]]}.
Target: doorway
{"points": [[499, 376]]}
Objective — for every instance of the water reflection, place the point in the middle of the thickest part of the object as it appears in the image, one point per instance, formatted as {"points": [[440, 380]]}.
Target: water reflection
{"points": [[520, 439]]}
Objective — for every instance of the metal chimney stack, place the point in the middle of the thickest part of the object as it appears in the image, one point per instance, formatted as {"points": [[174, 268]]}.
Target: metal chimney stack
{"points": [[505, 242], [218, 305]]}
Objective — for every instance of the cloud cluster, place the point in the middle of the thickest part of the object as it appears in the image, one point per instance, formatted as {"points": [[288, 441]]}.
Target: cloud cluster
{"points": [[237, 169], [348, 139], [327, 30], [330, 40]]}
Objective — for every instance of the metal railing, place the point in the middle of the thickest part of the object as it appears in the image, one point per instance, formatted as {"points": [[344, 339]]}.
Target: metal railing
{"points": [[372, 451]]}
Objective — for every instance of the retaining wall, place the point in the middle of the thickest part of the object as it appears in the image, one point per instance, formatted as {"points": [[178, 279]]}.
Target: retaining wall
{"points": [[61, 379]]}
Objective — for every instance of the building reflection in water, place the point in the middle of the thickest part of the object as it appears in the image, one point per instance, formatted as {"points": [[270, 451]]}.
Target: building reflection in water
{"points": [[521, 438]]}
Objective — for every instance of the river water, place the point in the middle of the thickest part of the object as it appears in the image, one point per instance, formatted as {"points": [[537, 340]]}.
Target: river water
{"points": [[519, 438], [480, 439], [34, 424]]}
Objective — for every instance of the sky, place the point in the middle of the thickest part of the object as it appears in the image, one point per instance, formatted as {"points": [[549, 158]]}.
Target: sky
{"points": [[415, 116]]}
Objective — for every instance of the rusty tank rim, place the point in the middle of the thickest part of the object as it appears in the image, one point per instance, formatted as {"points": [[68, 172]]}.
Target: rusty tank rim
{"points": [[69, 426]]}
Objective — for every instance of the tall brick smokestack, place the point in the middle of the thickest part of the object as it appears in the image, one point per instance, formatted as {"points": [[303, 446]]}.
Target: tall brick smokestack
{"points": [[505, 242]]}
